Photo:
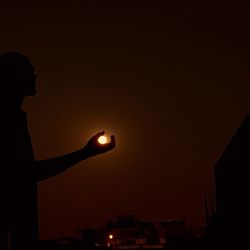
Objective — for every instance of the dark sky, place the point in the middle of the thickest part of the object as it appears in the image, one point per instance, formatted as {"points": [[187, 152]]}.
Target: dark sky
{"points": [[170, 81]]}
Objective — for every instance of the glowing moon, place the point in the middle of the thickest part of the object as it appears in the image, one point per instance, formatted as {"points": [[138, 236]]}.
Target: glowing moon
{"points": [[102, 139]]}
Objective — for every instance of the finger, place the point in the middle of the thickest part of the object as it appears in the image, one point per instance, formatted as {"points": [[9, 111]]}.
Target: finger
{"points": [[113, 142], [110, 145], [96, 136]]}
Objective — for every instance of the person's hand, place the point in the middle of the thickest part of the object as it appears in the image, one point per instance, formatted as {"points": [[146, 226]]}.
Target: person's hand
{"points": [[93, 147]]}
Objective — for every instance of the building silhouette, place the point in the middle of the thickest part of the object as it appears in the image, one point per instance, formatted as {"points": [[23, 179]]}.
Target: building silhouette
{"points": [[130, 232], [229, 225]]}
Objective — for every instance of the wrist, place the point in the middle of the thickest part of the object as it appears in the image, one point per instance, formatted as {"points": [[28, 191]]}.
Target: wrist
{"points": [[85, 152]]}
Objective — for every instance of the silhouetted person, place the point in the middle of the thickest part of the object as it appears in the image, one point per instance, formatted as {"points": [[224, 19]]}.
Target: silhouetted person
{"points": [[19, 171]]}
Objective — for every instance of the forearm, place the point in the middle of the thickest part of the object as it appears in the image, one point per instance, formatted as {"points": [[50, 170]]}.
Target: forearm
{"points": [[51, 167]]}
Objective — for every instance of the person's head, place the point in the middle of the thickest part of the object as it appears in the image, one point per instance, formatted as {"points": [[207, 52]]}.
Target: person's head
{"points": [[17, 77]]}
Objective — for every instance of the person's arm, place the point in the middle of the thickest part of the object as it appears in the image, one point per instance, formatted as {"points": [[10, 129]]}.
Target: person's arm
{"points": [[48, 168]]}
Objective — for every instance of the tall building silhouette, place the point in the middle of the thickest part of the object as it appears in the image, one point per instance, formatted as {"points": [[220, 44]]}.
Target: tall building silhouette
{"points": [[232, 185]]}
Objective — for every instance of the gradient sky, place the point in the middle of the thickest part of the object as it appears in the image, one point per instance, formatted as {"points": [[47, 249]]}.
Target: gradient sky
{"points": [[170, 81]]}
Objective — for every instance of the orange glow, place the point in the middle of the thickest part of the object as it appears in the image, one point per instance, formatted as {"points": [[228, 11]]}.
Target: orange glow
{"points": [[111, 236]]}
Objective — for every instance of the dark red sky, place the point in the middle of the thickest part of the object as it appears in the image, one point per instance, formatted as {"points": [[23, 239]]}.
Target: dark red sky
{"points": [[171, 82]]}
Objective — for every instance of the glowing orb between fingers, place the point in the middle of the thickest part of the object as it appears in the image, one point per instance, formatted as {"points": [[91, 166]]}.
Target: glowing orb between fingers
{"points": [[102, 139]]}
